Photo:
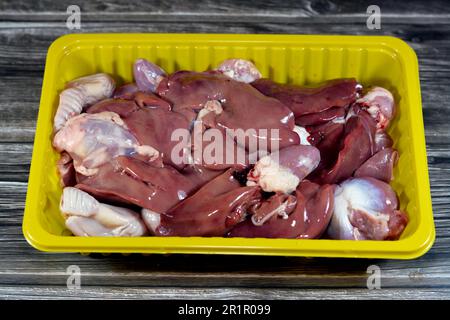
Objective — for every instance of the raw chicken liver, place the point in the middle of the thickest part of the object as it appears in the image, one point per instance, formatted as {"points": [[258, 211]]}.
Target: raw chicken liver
{"points": [[309, 100], [243, 106], [211, 211], [320, 161], [131, 181]]}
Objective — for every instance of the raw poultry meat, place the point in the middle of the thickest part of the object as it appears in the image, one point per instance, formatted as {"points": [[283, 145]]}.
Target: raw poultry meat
{"points": [[127, 91], [66, 170], [379, 166], [282, 171], [239, 70], [212, 211], [305, 214], [129, 180], [85, 216], [213, 149], [147, 75], [379, 103], [309, 100], [243, 106], [146, 113], [382, 140], [226, 153], [79, 94], [334, 115], [357, 145], [93, 139], [366, 208]]}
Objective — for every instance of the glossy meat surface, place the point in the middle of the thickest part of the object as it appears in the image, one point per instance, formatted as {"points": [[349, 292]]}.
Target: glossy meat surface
{"points": [[243, 106], [357, 146], [305, 216], [309, 100], [211, 211], [366, 209], [150, 121], [379, 166], [225, 153], [131, 181]]}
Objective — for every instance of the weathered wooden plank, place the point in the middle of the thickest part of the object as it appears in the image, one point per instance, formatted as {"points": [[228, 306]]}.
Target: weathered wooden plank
{"points": [[178, 10], [15, 161], [175, 293], [272, 7], [224, 271]]}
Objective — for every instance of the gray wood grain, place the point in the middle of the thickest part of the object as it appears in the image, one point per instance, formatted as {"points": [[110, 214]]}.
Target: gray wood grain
{"points": [[229, 294], [229, 10], [26, 30]]}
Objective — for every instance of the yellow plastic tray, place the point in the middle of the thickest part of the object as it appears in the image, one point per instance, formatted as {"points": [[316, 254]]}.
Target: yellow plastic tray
{"points": [[300, 59]]}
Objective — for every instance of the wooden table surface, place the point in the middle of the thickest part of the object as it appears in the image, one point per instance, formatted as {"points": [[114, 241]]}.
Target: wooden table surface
{"points": [[26, 30]]}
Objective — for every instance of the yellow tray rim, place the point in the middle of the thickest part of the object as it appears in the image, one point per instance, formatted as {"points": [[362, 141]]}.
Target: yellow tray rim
{"points": [[411, 247]]}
